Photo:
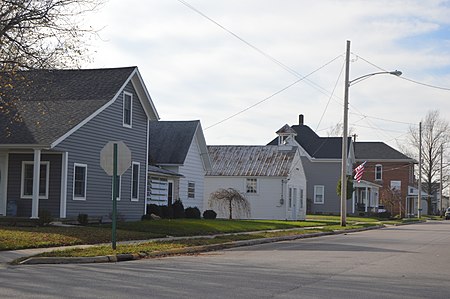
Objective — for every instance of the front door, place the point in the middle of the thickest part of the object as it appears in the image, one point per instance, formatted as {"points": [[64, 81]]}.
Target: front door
{"points": [[170, 193]]}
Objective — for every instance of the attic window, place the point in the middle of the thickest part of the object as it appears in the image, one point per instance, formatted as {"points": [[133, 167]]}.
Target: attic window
{"points": [[127, 108]]}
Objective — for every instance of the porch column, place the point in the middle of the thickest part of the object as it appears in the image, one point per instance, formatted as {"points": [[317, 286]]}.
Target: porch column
{"points": [[36, 173], [64, 169], [3, 182], [366, 200], [353, 202]]}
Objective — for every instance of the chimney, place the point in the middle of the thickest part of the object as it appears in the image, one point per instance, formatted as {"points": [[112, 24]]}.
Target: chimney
{"points": [[300, 119]]}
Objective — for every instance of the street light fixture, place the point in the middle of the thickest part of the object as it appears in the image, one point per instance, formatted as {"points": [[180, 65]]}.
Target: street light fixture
{"points": [[348, 83]]}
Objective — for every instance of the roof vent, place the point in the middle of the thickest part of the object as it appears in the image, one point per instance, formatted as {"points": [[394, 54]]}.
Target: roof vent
{"points": [[300, 119]]}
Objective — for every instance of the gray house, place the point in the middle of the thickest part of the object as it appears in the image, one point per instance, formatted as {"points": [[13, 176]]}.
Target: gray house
{"points": [[321, 159], [55, 126], [178, 160]]}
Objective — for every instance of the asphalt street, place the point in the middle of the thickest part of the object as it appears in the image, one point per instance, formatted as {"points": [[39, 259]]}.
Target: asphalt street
{"points": [[411, 261]]}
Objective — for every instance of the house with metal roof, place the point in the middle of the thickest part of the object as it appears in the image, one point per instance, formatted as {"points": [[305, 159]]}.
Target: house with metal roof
{"points": [[321, 159], [270, 177], [54, 124], [178, 160]]}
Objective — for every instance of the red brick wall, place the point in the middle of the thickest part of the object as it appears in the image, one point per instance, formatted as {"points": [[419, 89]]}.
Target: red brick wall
{"points": [[391, 171]]}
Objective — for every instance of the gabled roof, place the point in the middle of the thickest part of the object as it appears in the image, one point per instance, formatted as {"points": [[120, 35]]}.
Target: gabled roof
{"points": [[378, 151], [45, 105], [316, 146], [169, 142], [236, 160]]}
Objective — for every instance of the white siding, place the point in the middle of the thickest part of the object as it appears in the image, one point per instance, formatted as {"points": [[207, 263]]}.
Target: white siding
{"points": [[193, 171], [264, 205]]}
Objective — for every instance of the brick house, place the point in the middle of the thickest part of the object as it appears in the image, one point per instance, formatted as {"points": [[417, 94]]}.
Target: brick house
{"points": [[390, 169]]}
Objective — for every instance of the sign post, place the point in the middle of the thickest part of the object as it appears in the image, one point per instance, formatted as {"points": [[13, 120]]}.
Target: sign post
{"points": [[115, 159]]}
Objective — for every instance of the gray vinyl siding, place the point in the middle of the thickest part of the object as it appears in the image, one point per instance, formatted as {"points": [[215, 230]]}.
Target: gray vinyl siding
{"points": [[84, 147], [14, 185], [326, 174]]}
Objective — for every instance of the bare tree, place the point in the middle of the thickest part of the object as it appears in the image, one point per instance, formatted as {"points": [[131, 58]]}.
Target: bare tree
{"points": [[435, 133], [392, 200], [43, 33], [230, 199], [338, 129]]}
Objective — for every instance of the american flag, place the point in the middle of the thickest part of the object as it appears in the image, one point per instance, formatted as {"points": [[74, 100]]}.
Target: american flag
{"points": [[359, 172]]}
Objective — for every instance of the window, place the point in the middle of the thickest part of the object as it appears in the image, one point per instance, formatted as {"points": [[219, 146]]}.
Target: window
{"points": [[252, 186], [301, 198], [127, 109], [290, 198], [135, 181], [378, 171], [27, 179], [319, 194], [191, 189], [79, 181]]}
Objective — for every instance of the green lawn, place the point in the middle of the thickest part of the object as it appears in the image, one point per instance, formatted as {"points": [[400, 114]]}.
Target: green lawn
{"points": [[12, 238]]}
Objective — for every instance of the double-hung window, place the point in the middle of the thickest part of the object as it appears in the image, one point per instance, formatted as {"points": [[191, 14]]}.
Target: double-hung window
{"points": [[319, 194], [27, 179], [378, 172], [127, 109], [191, 189], [135, 181], [79, 181]]}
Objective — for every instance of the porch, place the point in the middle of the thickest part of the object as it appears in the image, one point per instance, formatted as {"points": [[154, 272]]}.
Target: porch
{"points": [[365, 198]]}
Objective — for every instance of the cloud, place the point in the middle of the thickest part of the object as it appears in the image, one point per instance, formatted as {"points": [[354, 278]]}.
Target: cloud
{"points": [[196, 70]]}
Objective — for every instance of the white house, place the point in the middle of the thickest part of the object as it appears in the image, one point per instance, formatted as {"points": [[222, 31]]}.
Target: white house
{"points": [[270, 177], [178, 160]]}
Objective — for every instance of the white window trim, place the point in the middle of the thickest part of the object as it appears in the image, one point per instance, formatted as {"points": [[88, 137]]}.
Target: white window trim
{"points": [[257, 186], [323, 194], [22, 195], [190, 182], [132, 179], [131, 109], [381, 172], [75, 165]]}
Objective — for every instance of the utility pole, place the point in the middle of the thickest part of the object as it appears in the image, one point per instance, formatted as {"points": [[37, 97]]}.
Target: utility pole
{"points": [[344, 141], [419, 187], [440, 185]]}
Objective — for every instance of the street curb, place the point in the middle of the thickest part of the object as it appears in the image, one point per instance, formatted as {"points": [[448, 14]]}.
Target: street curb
{"points": [[180, 251]]}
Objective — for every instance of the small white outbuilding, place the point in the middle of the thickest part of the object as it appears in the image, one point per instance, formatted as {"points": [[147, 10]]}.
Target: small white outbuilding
{"points": [[270, 177]]}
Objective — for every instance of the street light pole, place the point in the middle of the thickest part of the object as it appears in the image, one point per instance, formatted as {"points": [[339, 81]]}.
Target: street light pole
{"points": [[344, 140], [344, 166]]}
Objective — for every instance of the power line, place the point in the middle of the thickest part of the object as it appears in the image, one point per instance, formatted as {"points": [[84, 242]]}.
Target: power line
{"points": [[272, 95], [405, 78]]}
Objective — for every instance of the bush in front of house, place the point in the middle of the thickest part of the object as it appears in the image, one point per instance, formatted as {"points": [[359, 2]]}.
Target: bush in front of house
{"points": [[178, 209], [167, 212], [209, 214], [83, 219], [192, 213], [45, 217], [154, 209]]}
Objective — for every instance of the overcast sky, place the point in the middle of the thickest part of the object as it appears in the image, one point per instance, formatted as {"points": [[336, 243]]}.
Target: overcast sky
{"points": [[195, 69]]}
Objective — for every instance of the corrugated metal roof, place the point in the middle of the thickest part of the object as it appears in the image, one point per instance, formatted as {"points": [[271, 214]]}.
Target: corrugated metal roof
{"points": [[240, 160]]}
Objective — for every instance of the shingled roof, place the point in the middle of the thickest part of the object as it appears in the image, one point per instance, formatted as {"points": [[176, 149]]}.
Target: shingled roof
{"points": [[377, 151], [235, 160], [45, 104], [316, 146], [170, 141]]}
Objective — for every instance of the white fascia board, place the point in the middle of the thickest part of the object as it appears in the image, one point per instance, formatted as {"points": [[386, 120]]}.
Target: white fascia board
{"points": [[25, 146], [204, 154], [143, 93], [388, 160], [101, 109]]}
